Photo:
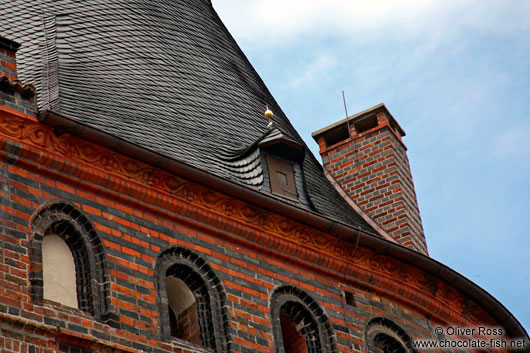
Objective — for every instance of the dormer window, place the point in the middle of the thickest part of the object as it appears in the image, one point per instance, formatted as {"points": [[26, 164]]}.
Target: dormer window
{"points": [[281, 176], [272, 164], [283, 158]]}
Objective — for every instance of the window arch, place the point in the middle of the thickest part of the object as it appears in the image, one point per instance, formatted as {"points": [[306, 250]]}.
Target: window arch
{"points": [[299, 324], [384, 336], [191, 300], [62, 228]]}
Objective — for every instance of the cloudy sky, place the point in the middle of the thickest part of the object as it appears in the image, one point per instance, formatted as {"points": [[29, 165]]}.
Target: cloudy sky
{"points": [[455, 74]]}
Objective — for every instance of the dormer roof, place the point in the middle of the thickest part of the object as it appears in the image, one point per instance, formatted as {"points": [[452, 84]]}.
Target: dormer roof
{"points": [[283, 145]]}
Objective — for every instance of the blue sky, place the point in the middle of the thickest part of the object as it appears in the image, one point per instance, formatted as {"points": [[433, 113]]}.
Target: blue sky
{"points": [[456, 76]]}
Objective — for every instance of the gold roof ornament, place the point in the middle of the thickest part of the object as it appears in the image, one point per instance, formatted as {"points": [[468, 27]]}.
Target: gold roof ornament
{"points": [[268, 115]]}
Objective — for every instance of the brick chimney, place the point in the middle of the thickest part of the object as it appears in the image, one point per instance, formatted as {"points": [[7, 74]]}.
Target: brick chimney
{"points": [[8, 65], [14, 96], [366, 155]]}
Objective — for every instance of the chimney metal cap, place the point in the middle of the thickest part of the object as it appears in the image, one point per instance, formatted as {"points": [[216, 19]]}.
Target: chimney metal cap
{"points": [[373, 110]]}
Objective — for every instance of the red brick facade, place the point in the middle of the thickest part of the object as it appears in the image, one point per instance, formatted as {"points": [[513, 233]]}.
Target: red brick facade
{"points": [[373, 169], [137, 222], [293, 340], [188, 325]]}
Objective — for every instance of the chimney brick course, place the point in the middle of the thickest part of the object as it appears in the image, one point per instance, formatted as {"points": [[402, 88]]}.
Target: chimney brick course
{"points": [[14, 96], [372, 167]]}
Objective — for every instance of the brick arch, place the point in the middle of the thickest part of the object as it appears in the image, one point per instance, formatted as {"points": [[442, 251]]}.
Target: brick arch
{"points": [[92, 278], [305, 313], [383, 335], [209, 294]]}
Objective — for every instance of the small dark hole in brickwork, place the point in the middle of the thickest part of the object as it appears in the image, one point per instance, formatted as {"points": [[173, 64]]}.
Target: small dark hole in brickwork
{"points": [[336, 135], [366, 124], [350, 299]]}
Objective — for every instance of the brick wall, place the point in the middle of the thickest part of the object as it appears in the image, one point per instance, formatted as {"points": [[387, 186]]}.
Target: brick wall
{"points": [[188, 325], [293, 341], [373, 169], [132, 215], [137, 218], [8, 64], [13, 94]]}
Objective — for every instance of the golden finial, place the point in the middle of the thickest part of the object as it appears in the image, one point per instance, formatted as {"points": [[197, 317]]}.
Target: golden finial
{"points": [[268, 113]]}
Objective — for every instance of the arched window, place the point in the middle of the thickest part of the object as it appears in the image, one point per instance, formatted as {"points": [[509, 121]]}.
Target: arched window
{"points": [[68, 262], [183, 307], [58, 271], [191, 300], [387, 344], [299, 324], [384, 336]]}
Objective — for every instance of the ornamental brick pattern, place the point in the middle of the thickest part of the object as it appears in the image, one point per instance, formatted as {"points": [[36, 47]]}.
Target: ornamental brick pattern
{"points": [[373, 169]]}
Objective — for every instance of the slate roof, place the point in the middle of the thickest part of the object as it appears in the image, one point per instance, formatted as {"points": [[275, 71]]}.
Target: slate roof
{"points": [[163, 74]]}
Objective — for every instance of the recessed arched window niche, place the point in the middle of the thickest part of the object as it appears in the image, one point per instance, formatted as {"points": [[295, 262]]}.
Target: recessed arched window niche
{"points": [[299, 324], [68, 264], [192, 300], [382, 335], [58, 271]]}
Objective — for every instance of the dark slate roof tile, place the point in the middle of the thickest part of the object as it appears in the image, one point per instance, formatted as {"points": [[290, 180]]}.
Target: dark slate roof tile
{"points": [[163, 74]]}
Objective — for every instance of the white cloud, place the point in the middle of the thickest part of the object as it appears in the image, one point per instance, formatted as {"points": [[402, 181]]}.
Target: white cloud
{"points": [[271, 22]]}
